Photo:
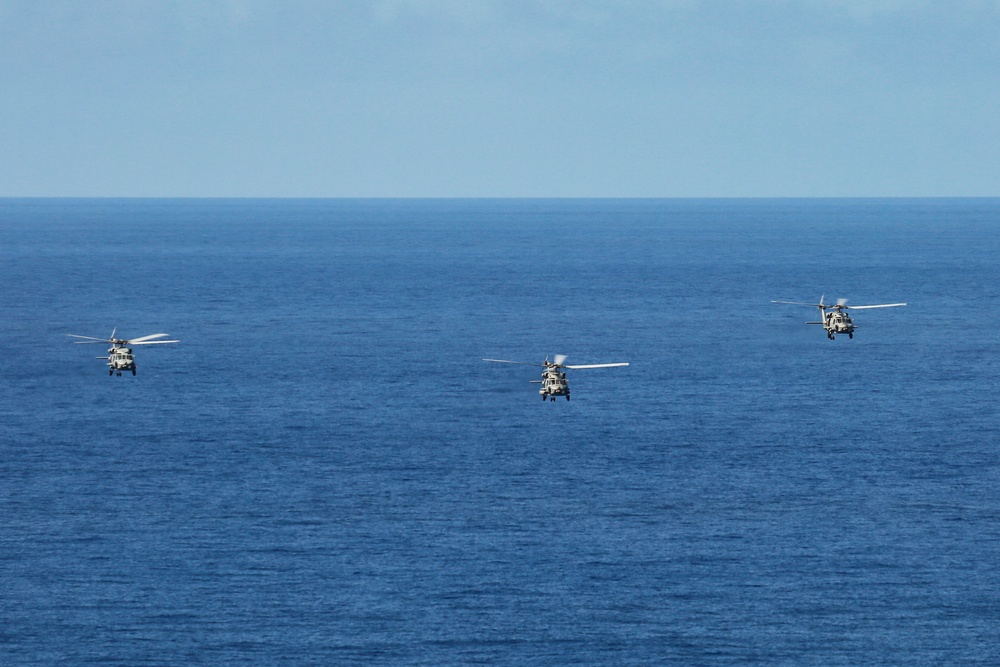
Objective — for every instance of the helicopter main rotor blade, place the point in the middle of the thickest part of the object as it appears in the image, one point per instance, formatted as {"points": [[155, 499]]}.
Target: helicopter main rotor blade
{"points": [[142, 339], [559, 359], [879, 305], [624, 363], [89, 339], [522, 363], [149, 342], [803, 303]]}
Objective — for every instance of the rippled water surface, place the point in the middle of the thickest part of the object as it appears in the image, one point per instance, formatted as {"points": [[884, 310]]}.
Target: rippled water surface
{"points": [[324, 471]]}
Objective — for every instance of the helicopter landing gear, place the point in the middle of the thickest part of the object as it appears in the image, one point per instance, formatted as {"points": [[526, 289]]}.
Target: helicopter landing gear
{"points": [[567, 397], [544, 397], [850, 335], [111, 372], [133, 372]]}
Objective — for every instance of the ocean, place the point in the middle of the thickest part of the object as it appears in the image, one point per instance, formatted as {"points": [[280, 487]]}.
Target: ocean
{"points": [[325, 472]]}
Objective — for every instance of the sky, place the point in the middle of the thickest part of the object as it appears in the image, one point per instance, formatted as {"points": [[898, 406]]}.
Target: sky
{"points": [[499, 98]]}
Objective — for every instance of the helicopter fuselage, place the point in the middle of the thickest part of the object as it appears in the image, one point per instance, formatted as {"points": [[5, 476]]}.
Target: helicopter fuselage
{"points": [[554, 384], [120, 359], [838, 322]]}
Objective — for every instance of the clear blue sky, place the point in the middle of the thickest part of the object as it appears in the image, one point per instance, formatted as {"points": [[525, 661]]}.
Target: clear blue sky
{"points": [[499, 98]]}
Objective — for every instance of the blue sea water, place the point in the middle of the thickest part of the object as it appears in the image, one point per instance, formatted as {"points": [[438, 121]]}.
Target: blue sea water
{"points": [[324, 472]]}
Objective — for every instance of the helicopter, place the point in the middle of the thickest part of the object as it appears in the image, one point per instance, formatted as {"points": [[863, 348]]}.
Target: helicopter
{"points": [[120, 356], [554, 381], [837, 321]]}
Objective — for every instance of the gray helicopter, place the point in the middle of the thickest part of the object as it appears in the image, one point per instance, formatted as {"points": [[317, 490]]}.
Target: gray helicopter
{"points": [[553, 380], [837, 321], [120, 357]]}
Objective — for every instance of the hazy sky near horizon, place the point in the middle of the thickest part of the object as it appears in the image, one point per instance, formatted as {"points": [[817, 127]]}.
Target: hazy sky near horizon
{"points": [[500, 98]]}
